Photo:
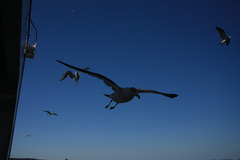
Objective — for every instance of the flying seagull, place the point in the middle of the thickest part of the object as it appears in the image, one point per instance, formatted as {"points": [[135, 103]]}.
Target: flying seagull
{"points": [[224, 38], [120, 95], [75, 76], [28, 135], [50, 113]]}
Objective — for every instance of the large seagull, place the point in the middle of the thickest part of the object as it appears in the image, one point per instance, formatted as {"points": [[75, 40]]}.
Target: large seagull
{"points": [[120, 95]]}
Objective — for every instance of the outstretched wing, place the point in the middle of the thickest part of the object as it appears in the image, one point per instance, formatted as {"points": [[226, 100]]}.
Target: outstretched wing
{"points": [[86, 68], [106, 80], [156, 92], [76, 76], [68, 73], [227, 42], [221, 32], [47, 111], [55, 114]]}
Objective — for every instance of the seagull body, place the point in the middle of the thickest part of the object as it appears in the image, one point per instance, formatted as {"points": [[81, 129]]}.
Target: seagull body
{"points": [[75, 76], [123, 95], [50, 113], [224, 38], [120, 95]]}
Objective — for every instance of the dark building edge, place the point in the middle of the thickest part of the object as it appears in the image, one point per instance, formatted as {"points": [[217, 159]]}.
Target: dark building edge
{"points": [[14, 26]]}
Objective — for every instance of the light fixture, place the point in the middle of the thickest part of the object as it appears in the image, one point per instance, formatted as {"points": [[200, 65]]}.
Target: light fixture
{"points": [[30, 50]]}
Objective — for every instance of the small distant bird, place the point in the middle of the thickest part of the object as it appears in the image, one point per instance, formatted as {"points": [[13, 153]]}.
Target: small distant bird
{"points": [[50, 113], [75, 76], [28, 135], [224, 38], [120, 95], [74, 11]]}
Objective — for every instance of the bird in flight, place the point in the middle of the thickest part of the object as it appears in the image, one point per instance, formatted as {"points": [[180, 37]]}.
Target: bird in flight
{"points": [[50, 113], [28, 135], [224, 38], [120, 95], [75, 76]]}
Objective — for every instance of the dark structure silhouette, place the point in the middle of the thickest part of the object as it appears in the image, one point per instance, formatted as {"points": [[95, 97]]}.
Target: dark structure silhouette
{"points": [[14, 36], [25, 159]]}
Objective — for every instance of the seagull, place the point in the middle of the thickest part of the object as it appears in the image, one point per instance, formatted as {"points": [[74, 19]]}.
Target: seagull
{"points": [[75, 76], [224, 38], [120, 95], [50, 113], [28, 135]]}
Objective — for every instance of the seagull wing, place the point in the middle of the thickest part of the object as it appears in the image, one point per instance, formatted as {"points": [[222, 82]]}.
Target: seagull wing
{"points": [[28, 135], [156, 92], [227, 42], [47, 112], [76, 76], [68, 73], [63, 76], [221, 32], [106, 80], [55, 114], [86, 68]]}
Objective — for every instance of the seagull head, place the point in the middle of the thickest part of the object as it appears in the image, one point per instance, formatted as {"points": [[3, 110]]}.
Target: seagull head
{"points": [[135, 92]]}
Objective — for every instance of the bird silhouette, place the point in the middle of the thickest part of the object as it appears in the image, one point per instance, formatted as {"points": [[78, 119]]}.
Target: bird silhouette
{"points": [[28, 135], [120, 95], [224, 39], [50, 113], [75, 76]]}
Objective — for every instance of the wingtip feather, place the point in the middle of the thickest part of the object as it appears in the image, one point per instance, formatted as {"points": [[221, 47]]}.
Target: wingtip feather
{"points": [[173, 95]]}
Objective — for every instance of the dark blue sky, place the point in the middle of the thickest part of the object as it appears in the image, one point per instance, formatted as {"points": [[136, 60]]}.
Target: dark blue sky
{"points": [[169, 46]]}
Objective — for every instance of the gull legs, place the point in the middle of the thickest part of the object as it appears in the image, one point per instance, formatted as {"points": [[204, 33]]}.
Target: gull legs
{"points": [[112, 106], [108, 104]]}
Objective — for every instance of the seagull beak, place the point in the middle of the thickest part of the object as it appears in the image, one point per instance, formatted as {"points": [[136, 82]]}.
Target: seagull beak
{"points": [[138, 96]]}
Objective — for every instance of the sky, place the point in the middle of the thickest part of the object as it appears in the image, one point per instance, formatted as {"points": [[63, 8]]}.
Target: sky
{"points": [[165, 45]]}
